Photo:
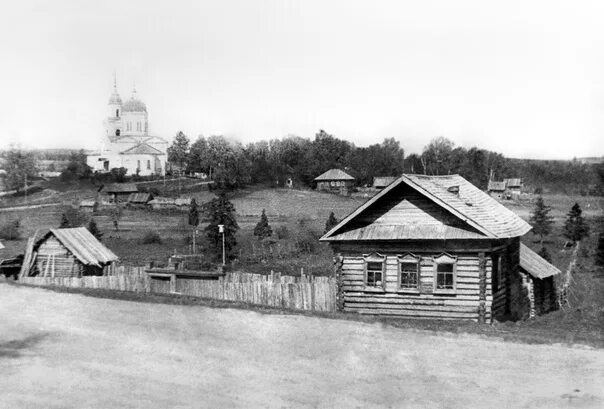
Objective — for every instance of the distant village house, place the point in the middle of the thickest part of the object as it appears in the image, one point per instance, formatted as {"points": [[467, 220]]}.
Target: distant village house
{"points": [[119, 192], [335, 181]]}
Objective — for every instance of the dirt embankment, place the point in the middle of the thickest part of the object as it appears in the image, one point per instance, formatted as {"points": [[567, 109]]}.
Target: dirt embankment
{"points": [[72, 351]]}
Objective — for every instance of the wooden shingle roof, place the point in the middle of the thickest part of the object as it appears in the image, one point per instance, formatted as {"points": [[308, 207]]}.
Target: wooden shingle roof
{"points": [[334, 174], [536, 265], [140, 198], [83, 245], [495, 186], [460, 210]]}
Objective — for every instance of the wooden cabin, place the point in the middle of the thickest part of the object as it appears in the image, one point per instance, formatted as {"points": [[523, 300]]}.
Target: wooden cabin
{"points": [[73, 252], [119, 192], [335, 181], [496, 189], [435, 247]]}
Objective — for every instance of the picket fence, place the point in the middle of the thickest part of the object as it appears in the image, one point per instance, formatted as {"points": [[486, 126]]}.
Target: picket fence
{"points": [[299, 293]]}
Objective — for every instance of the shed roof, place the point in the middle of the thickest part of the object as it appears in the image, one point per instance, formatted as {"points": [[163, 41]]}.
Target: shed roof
{"points": [[139, 197], [495, 186], [334, 174], [83, 245], [485, 217], [515, 182], [536, 265], [120, 188], [383, 181]]}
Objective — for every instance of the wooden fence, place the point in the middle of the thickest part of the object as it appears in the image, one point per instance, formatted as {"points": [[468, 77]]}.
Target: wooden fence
{"points": [[300, 293]]}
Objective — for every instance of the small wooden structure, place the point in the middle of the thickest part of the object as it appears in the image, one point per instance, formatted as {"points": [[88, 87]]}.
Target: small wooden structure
{"points": [[179, 273], [436, 247], [119, 192], [73, 252], [335, 181], [538, 275], [496, 189], [89, 205], [380, 182], [139, 200]]}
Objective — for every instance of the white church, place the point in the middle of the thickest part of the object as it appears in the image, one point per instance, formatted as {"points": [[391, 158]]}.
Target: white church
{"points": [[126, 142]]}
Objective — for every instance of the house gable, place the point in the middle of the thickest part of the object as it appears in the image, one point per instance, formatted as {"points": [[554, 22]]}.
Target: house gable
{"points": [[429, 207], [403, 213]]}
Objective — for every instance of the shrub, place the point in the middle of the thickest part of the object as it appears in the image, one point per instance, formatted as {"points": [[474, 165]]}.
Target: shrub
{"points": [[282, 232], [10, 230], [72, 217], [307, 240], [150, 237], [94, 229]]}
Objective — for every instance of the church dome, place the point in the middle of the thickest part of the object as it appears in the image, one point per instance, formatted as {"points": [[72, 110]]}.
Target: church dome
{"points": [[115, 99], [134, 105]]}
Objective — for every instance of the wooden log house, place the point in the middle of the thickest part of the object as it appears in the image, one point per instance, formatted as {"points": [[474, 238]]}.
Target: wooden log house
{"points": [[335, 181], [436, 247], [73, 252]]}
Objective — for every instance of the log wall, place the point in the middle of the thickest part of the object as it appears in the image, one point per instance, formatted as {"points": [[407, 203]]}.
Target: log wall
{"points": [[54, 260], [465, 303]]}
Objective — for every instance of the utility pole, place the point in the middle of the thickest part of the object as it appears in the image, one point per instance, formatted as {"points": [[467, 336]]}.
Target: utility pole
{"points": [[221, 230]]}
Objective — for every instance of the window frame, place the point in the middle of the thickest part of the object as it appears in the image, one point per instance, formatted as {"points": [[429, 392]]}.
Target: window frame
{"points": [[496, 276], [408, 258], [445, 258], [374, 258]]}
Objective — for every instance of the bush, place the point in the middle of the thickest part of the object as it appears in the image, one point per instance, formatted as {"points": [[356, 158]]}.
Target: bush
{"points": [[10, 230], [307, 240], [151, 237], [72, 217], [282, 232]]}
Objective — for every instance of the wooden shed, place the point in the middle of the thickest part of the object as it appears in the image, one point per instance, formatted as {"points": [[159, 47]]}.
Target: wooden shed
{"points": [[120, 192], [433, 247], [73, 252], [139, 199], [335, 181], [539, 277], [496, 189]]}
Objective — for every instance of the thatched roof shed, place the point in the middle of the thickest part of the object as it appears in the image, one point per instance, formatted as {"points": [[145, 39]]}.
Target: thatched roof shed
{"points": [[70, 252]]}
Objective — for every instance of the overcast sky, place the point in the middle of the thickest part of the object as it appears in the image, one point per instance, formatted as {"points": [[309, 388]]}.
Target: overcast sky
{"points": [[519, 77]]}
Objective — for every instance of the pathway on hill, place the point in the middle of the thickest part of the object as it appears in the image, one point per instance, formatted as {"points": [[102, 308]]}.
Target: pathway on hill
{"points": [[71, 351]]}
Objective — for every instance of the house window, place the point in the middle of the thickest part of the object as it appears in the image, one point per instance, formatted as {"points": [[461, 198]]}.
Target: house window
{"points": [[117, 112], [408, 267], [148, 164], [444, 273], [138, 165], [374, 270], [117, 132]]}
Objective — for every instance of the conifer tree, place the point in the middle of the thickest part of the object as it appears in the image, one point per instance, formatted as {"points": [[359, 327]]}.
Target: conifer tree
{"points": [[541, 220], [545, 254], [263, 229], [331, 222], [94, 229], [575, 227], [221, 211]]}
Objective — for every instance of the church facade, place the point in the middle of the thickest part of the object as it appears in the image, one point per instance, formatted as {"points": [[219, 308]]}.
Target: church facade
{"points": [[126, 142]]}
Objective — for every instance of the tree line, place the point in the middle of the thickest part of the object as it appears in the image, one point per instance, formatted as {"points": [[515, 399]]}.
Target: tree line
{"points": [[231, 164]]}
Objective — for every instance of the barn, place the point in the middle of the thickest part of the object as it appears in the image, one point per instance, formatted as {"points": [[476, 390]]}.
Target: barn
{"points": [[73, 252], [436, 247], [335, 181]]}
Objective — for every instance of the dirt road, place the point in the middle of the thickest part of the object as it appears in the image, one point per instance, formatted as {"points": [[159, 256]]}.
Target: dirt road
{"points": [[71, 351]]}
